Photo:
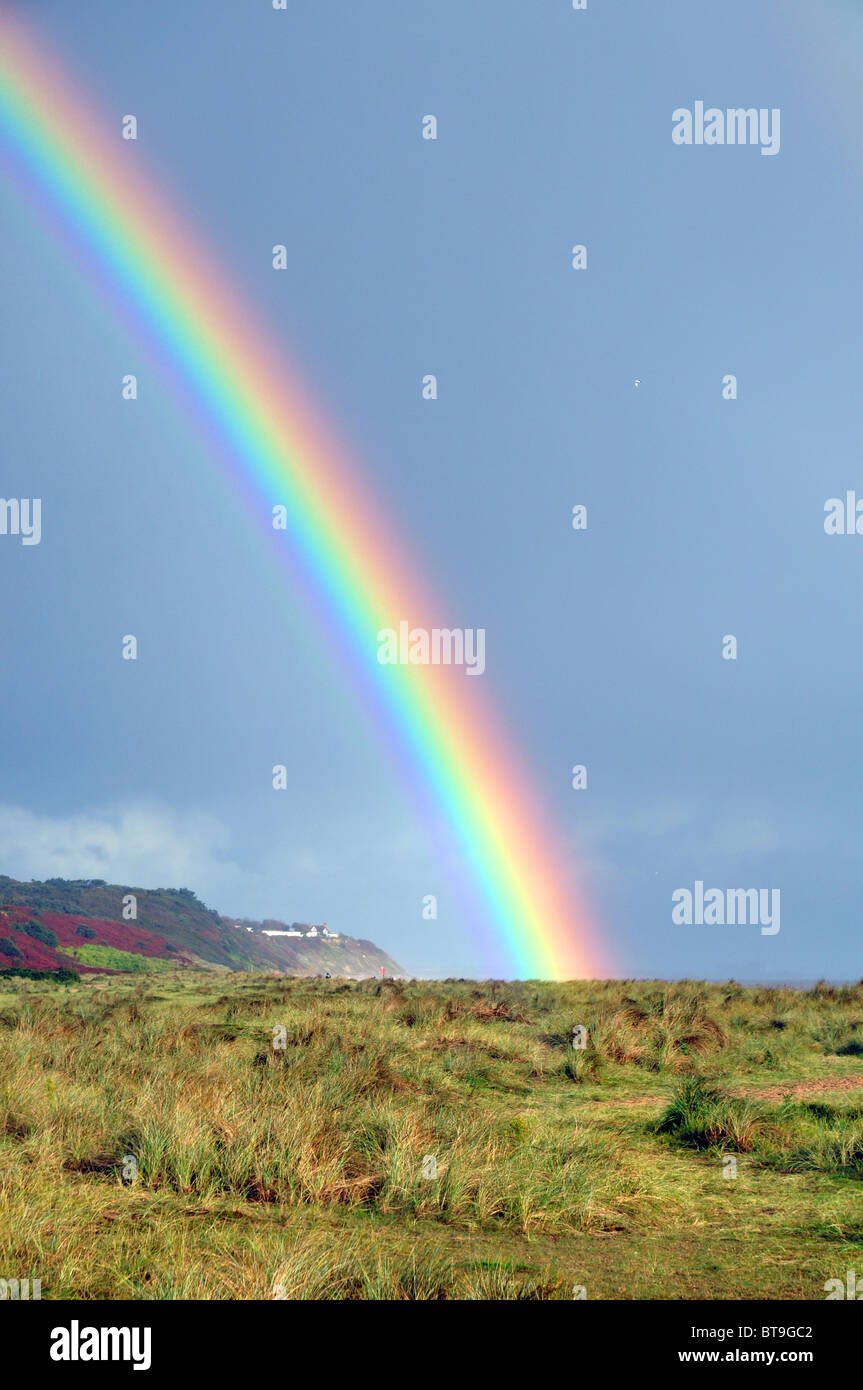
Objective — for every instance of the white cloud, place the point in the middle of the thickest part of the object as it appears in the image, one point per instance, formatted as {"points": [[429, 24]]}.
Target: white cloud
{"points": [[144, 845]]}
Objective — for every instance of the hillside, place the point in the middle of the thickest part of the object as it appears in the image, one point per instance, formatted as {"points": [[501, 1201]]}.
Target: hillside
{"points": [[78, 924]]}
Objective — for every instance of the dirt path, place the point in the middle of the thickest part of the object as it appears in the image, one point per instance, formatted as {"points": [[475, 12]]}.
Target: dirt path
{"points": [[803, 1088], [776, 1092]]}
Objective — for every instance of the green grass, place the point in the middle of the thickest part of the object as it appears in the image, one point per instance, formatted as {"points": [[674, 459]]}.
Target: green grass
{"points": [[792, 1137], [111, 958], [303, 1170]]}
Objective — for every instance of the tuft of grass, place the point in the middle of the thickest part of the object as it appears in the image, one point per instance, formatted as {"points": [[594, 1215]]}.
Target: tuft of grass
{"points": [[702, 1116], [663, 1032]]}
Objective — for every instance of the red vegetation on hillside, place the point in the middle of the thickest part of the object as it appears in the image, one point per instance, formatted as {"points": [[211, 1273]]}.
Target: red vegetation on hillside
{"points": [[37, 955]]}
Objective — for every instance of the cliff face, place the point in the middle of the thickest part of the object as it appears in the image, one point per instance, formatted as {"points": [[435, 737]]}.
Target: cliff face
{"points": [[79, 924], [301, 955]]}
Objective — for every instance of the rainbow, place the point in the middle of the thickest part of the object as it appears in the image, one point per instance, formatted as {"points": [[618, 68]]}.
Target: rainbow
{"points": [[447, 739]]}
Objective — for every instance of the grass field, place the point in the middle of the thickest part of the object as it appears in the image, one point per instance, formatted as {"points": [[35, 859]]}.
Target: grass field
{"points": [[428, 1140]]}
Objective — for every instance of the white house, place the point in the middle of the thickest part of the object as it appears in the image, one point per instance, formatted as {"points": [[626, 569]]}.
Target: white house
{"points": [[265, 932], [309, 929]]}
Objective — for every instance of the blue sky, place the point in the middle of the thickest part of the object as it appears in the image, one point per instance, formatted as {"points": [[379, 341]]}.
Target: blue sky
{"points": [[406, 257]]}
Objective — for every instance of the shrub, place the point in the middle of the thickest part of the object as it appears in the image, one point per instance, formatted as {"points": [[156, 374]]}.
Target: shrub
{"points": [[21, 972], [37, 932]]}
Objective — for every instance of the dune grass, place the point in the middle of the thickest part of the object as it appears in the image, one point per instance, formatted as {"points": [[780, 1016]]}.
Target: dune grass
{"points": [[193, 1136]]}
